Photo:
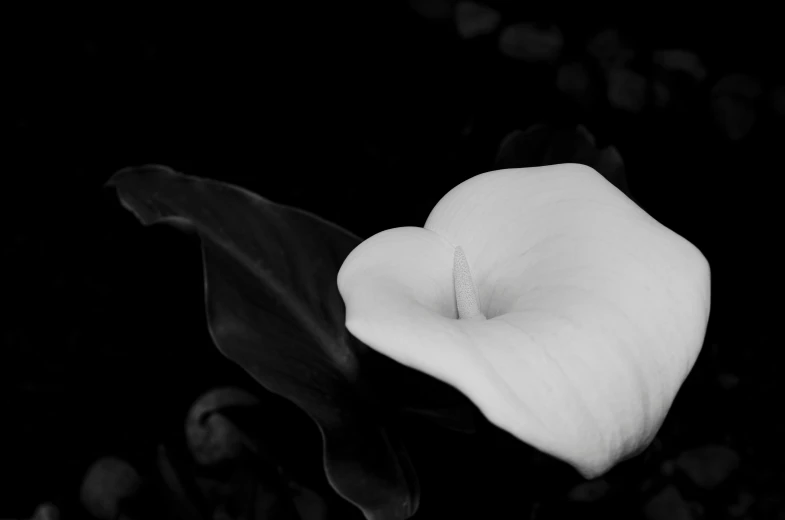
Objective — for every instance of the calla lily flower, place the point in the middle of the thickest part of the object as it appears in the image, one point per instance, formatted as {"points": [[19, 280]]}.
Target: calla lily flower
{"points": [[565, 312]]}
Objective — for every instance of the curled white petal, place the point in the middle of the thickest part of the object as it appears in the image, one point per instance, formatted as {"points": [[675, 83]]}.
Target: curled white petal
{"points": [[598, 311]]}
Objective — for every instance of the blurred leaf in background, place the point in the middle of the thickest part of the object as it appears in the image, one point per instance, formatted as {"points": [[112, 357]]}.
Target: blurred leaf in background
{"points": [[733, 100], [546, 144]]}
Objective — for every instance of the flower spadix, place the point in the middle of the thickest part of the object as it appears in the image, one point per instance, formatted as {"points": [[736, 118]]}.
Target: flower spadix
{"points": [[566, 313]]}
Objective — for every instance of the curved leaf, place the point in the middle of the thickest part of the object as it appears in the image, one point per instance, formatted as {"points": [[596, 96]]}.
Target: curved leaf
{"points": [[273, 307]]}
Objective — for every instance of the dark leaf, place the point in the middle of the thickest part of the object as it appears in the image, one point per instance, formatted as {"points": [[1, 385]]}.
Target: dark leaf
{"points": [[211, 437], [573, 80], [249, 490], [708, 466], [458, 418], [777, 99], [273, 307], [433, 9], [108, 482], [472, 19], [531, 43], [610, 49], [46, 511], [734, 115], [626, 90], [733, 100], [681, 60], [668, 504], [184, 499], [547, 144]]}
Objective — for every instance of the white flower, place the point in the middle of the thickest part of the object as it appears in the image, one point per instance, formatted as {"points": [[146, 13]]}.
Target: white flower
{"points": [[594, 313]]}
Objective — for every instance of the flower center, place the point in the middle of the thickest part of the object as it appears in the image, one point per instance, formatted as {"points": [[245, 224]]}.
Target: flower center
{"points": [[465, 292]]}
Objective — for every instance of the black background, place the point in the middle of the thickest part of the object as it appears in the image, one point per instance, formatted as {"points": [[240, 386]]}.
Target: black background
{"points": [[355, 114]]}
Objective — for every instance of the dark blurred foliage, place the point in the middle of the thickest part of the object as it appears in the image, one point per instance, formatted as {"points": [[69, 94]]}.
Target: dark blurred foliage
{"points": [[356, 114]]}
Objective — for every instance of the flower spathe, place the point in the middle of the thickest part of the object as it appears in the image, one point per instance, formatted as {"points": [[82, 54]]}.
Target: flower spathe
{"points": [[588, 313]]}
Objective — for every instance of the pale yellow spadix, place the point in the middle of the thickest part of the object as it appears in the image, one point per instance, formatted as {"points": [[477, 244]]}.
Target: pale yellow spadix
{"points": [[595, 311], [467, 304]]}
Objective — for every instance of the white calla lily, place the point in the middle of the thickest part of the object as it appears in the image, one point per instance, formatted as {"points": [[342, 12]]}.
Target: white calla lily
{"points": [[581, 315]]}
